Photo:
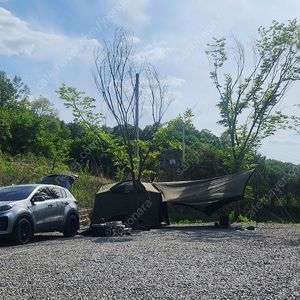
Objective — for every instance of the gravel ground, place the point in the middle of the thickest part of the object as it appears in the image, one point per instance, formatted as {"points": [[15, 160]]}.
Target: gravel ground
{"points": [[176, 262]]}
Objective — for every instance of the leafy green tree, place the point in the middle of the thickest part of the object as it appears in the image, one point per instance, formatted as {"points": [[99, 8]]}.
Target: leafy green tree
{"points": [[203, 161], [91, 148], [83, 107], [296, 120], [13, 92], [21, 90], [13, 101], [5, 126], [204, 154], [259, 179], [117, 131], [248, 101], [7, 90], [43, 106], [76, 130], [25, 128]]}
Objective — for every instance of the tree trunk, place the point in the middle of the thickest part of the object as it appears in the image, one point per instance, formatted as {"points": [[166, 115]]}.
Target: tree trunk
{"points": [[237, 209], [136, 187], [237, 205]]}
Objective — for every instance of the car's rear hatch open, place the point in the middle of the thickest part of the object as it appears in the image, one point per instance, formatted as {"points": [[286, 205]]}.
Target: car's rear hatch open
{"points": [[61, 179]]}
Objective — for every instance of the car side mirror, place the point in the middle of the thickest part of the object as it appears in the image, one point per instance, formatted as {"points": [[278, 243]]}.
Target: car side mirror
{"points": [[37, 199]]}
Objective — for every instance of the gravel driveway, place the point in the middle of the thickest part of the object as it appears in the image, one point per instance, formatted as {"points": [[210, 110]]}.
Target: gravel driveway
{"points": [[176, 262]]}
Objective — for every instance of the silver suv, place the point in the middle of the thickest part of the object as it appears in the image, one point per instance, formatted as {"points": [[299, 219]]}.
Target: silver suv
{"points": [[43, 207]]}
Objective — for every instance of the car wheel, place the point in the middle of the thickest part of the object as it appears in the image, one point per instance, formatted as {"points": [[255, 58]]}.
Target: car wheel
{"points": [[71, 226], [22, 232]]}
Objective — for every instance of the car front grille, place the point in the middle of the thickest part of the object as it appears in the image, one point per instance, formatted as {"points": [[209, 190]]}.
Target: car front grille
{"points": [[3, 223]]}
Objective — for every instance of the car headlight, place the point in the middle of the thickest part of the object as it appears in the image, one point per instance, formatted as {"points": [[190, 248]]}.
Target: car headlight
{"points": [[7, 207]]}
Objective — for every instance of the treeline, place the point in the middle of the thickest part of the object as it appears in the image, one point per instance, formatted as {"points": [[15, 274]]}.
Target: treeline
{"points": [[32, 134]]}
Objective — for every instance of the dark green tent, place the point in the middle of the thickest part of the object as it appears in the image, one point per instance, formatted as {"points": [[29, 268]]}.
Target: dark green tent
{"points": [[116, 202]]}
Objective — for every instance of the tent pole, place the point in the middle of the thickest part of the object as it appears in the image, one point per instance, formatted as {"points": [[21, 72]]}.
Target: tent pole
{"points": [[137, 122]]}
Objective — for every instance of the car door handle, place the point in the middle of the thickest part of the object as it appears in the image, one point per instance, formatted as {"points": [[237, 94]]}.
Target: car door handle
{"points": [[50, 205]]}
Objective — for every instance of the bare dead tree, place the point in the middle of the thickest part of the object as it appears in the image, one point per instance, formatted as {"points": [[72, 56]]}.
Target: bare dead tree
{"points": [[116, 66]]}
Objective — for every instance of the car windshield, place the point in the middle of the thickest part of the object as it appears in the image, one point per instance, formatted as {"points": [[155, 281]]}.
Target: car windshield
{"points": [[15, 193]]}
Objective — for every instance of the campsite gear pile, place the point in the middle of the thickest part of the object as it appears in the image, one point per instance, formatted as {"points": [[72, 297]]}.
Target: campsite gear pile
{"points": [[243, 227], [110, 228]]}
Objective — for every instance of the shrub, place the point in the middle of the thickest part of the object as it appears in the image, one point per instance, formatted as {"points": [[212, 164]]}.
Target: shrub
{"points": [[242, 219]]}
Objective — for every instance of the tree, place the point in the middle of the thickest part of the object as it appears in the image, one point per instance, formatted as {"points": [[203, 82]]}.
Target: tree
{"points": [[254, 97], [5, 127], [43, 106], [296, 120], [204, 153], [13, 94], [84, 130], [83, 107], [6, 89], [21, 90], [248, 102], [115, 77]]}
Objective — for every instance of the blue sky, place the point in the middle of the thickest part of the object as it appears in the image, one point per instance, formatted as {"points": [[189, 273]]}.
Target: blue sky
{"points": [[50, 42]]}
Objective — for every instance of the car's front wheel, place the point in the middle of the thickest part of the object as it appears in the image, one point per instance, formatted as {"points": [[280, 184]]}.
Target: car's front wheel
{"points": [[71, 226], [23, 232]]}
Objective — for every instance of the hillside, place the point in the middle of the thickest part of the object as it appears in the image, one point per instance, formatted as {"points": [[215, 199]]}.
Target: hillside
{"points": [[34, 141]]}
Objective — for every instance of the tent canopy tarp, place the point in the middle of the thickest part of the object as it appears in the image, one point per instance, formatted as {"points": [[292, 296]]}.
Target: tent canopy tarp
{"points": [[206, 195]]}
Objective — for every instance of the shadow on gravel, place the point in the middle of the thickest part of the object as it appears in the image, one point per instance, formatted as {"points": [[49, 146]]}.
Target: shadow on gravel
{"points": [[46, 237], [210, 232], [113, 239], [196, 228], [6, 242]]}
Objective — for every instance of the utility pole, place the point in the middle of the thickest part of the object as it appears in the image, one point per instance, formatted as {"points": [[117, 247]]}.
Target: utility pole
{"points": [[183, 141], [137, 120]]}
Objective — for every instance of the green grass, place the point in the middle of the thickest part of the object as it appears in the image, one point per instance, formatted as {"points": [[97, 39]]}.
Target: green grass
{"points": [[30, 169], [187, 222]]}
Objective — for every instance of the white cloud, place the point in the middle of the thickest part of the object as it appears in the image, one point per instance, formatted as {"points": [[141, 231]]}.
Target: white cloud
{"points": [[17, 37], [135, 40], [158, 53], [12, 34], [152, 54], [175, 81], [155, 45], [133, 15], [56, 56]]}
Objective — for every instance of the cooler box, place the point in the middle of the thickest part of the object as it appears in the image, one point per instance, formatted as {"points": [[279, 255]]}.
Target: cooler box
{"points": [[224, 222], [98, 229]]}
